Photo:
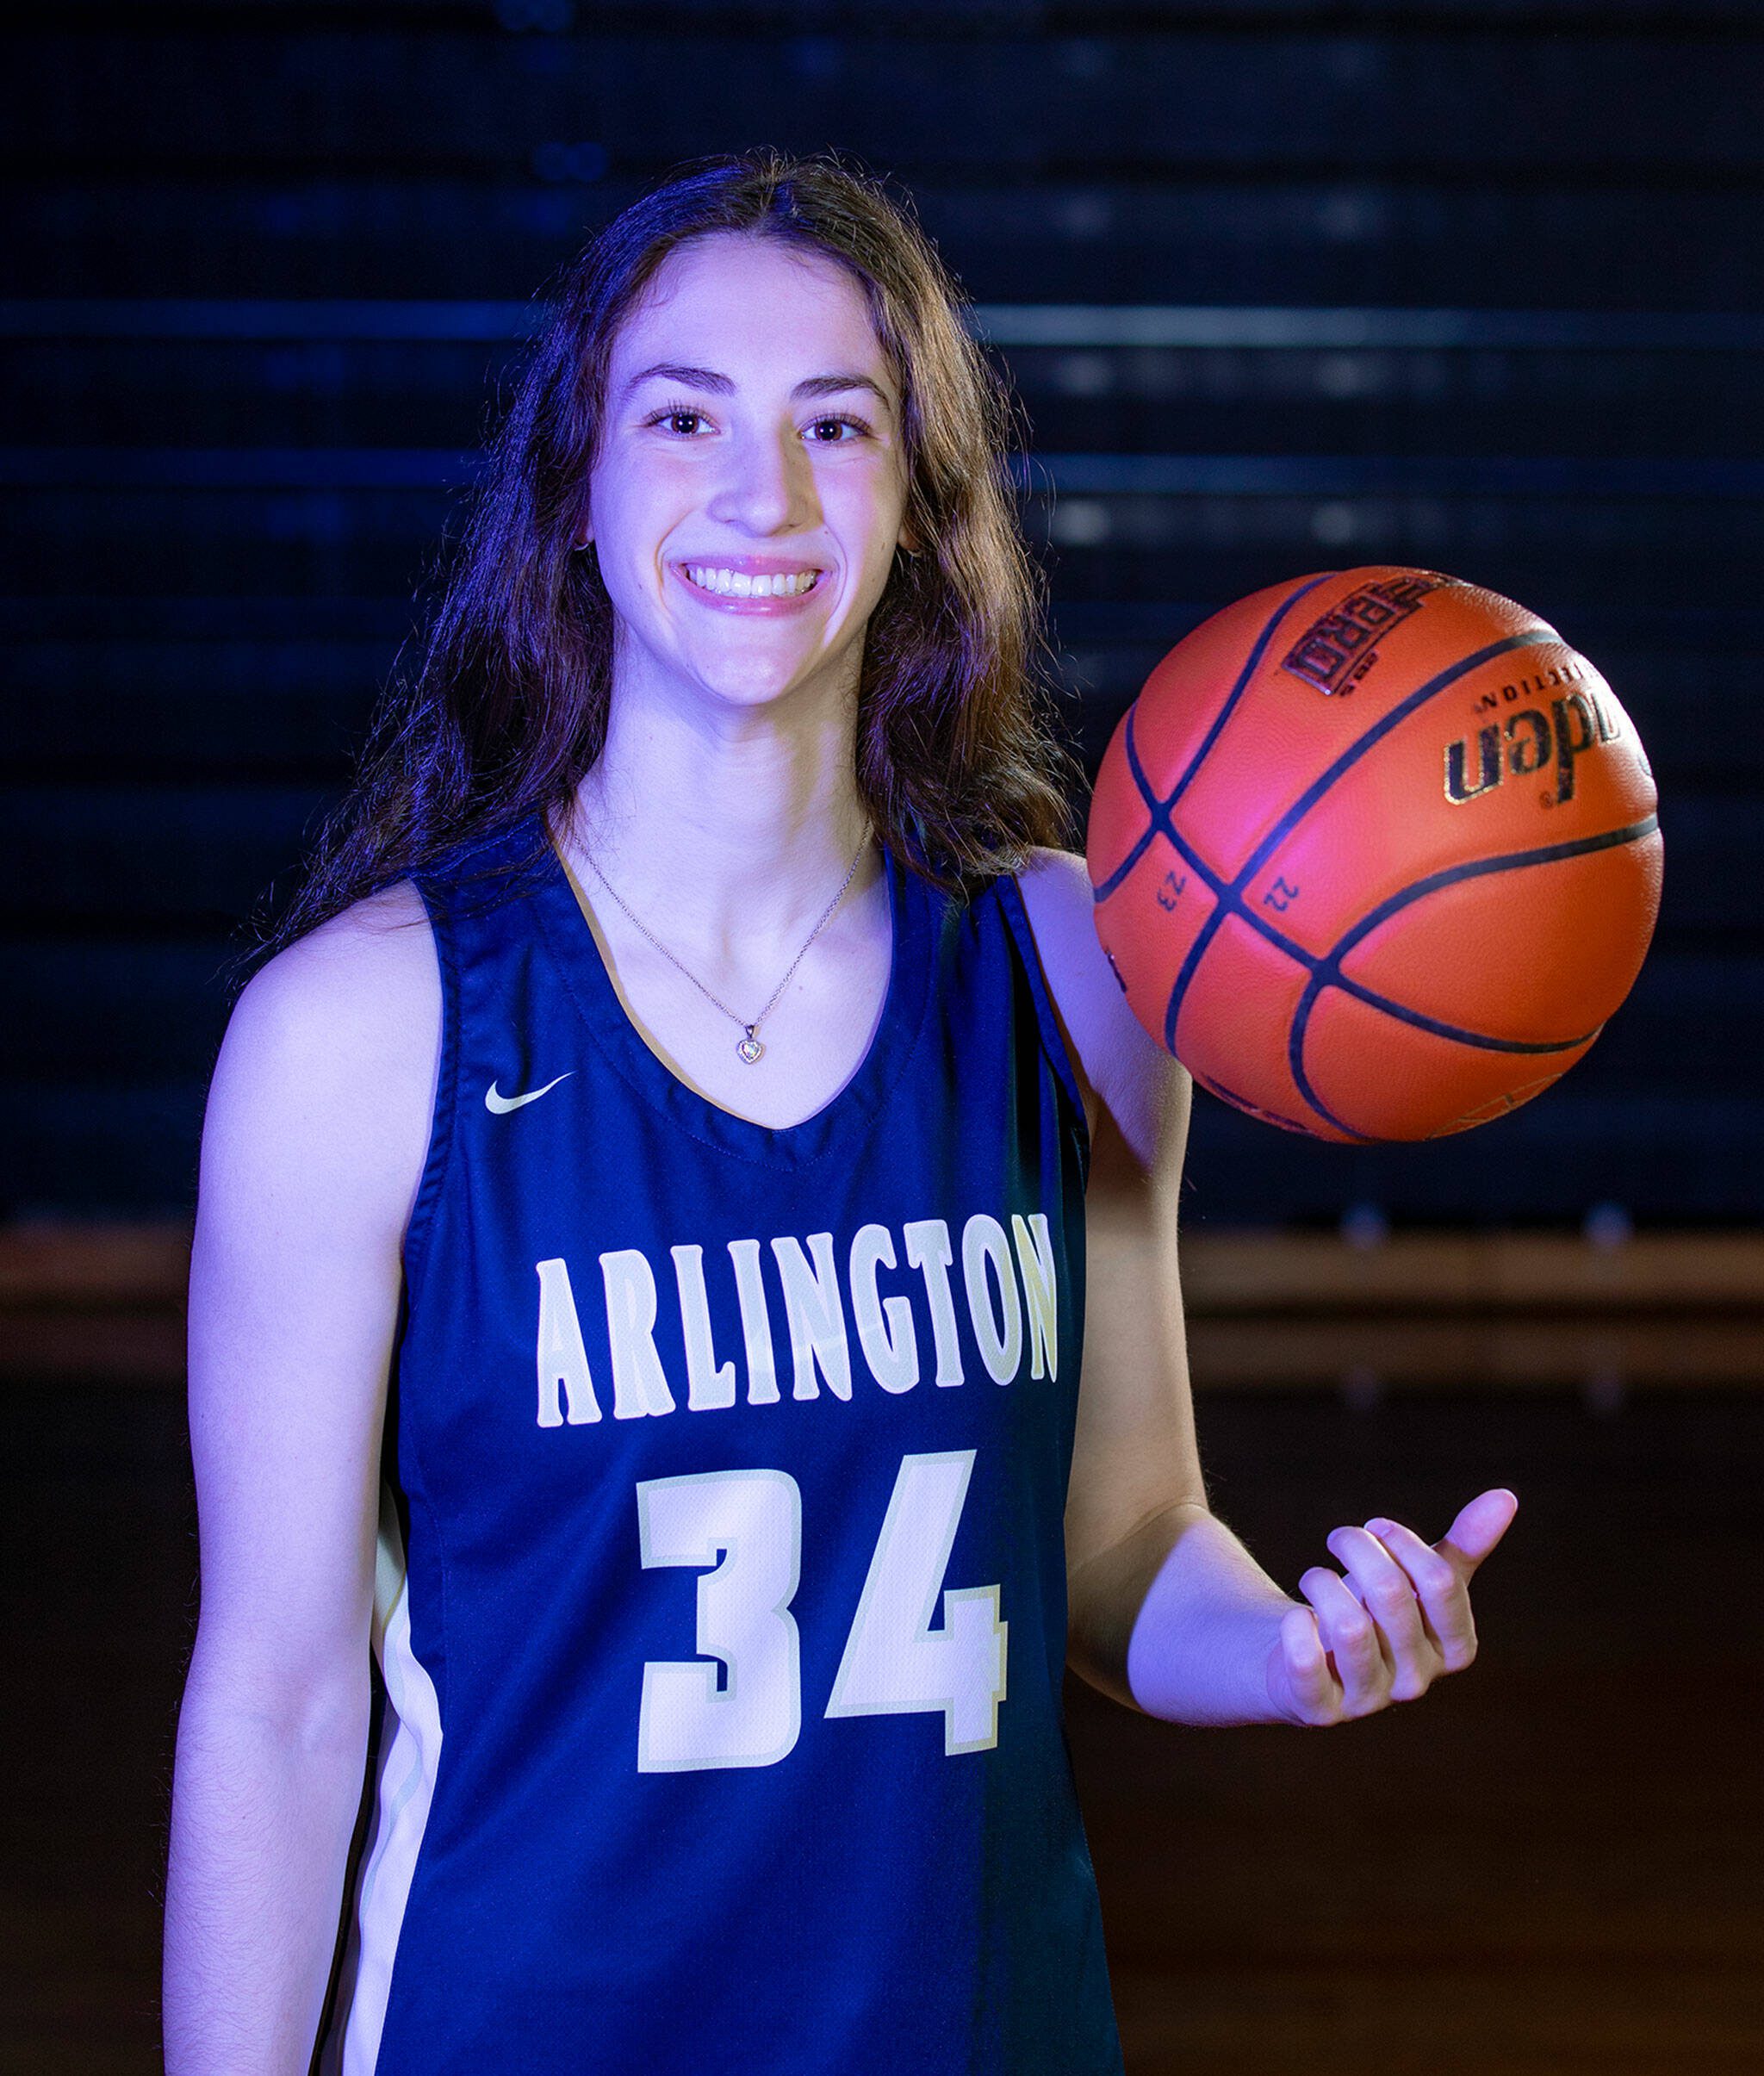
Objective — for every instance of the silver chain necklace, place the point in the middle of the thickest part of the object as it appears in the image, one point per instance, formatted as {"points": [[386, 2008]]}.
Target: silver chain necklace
{"points": [[749, 1047]]}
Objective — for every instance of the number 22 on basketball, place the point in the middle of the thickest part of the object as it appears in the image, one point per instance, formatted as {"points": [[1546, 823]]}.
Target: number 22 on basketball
{"points": [[894, 1663]]}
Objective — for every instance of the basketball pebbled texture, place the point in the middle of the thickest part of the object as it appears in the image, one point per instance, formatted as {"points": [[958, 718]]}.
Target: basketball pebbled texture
{"points": [[1375, 854]]}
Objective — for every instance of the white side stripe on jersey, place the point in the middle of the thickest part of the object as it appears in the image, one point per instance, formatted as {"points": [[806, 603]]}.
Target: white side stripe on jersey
{"points": [[408, 1760]]}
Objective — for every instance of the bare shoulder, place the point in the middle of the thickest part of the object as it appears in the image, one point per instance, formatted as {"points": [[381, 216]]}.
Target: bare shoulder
{"points": [[1129, 1073], [331, 1052], [370, 966]]}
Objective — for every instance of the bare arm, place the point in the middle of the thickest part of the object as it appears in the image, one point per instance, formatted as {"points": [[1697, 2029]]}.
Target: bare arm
{"points": [[313, 1148], [1136, 1509], [1168, 1613], [1138, 1522]]}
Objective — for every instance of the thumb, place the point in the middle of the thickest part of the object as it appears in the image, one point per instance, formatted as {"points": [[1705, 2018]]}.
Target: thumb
{"points": [[1479, 1527]]}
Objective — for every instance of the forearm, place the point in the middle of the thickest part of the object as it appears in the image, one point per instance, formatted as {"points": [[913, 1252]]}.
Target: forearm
{"points": [[1179, 1621], [263, 1812]]}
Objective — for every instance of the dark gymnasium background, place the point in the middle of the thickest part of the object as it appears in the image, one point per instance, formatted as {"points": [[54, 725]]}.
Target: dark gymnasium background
{"points": [[1285, 285]]}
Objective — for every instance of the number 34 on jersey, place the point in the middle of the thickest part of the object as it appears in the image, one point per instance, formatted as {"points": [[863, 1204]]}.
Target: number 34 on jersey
{"points": [[895, 1661]]}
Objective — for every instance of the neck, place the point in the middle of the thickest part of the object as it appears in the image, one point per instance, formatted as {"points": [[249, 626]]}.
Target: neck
{"points": [[721, 825]]}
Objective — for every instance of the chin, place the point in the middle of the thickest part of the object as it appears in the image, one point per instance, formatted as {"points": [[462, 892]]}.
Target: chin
{"points": [[738, 690], [758, 682]]}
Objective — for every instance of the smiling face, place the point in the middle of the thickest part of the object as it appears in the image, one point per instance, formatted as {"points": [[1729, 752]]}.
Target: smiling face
{"points": [[749, 486]]}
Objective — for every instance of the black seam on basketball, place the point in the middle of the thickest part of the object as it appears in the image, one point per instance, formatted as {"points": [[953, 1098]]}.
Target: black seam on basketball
{"points": [[1327, 973], [1230, 900], [1142, 843], [1185, 974], [1254, 1110], [1365, 1139], [1157, 823], [1192, 858], [1311, 960], [1422, 1022], [1203, 936], [1313, 992], [1160, 805], [1255, 656], [1279, 939], [1476, 868], [1374, 735], [1225, 903]]}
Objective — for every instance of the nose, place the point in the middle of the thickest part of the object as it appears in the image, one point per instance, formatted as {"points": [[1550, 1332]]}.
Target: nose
{"points": [[768, 486]]}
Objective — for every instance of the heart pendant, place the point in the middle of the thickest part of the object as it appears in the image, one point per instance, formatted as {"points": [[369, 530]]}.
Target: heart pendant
{"points": [[750, 1049]]}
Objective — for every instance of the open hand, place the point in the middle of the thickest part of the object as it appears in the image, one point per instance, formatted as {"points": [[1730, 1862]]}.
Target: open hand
{"points": [[1386, 1632]]}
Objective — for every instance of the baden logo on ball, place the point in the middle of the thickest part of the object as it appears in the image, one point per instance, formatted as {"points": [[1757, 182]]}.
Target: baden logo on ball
{"points": [[1375, 854]]}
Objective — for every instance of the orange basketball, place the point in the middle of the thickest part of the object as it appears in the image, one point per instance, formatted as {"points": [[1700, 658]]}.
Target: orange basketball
{"points": [[1374, 854]]}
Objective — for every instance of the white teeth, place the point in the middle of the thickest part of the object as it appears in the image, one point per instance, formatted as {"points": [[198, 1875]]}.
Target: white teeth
{"points": [[738, 584]]}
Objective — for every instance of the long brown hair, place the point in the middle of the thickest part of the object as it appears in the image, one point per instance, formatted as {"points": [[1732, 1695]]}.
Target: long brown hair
{"points": [[506, 708]]}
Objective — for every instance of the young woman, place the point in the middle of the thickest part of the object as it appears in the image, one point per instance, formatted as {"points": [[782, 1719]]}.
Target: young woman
{"points": [[641, 1276]]}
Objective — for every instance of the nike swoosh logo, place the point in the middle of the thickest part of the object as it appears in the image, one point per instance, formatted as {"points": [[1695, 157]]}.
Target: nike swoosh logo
{"points": [[499, 1105]]}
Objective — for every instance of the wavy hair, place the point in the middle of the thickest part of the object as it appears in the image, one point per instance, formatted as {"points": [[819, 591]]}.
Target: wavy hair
{"points": [[505, 707]]}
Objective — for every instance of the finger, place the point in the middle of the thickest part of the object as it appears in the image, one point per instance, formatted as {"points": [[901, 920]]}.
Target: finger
{"points": [[1351, 1635], [1479, 1527], [1313, 1688], [1384, 1590], [1442, 1593]]}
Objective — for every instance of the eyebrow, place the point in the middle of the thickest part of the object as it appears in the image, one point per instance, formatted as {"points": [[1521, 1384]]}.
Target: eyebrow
{"points": [[721, 385]]}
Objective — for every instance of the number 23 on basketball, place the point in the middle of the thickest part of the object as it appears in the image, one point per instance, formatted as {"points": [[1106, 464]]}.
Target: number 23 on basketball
{"points": [[894, 1663]]}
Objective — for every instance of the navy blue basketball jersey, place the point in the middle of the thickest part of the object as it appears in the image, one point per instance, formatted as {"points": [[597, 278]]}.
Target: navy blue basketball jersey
{"points": [[720, 1609]]}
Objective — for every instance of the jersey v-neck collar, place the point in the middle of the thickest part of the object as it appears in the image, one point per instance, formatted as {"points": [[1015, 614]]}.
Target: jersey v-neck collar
{"points": [[845, 1117]]}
